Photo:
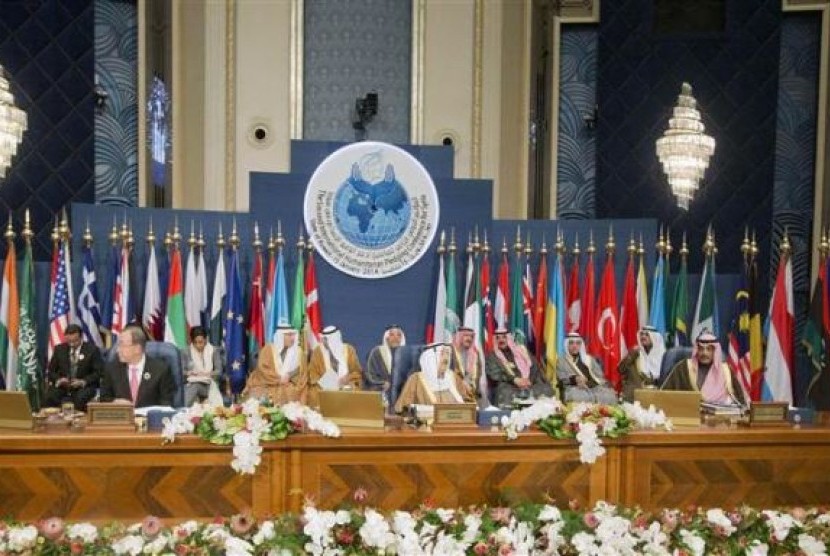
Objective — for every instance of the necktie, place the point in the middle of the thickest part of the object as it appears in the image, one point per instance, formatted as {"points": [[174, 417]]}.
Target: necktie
{"points": [[73, 362], [134, 382]]}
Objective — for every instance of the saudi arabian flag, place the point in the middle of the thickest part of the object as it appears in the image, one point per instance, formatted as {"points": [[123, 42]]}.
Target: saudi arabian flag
{"points": [[298, 301], [29, 371], [175, 327]]}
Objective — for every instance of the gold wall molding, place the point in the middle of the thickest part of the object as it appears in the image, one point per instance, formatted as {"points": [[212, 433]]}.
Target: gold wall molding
{"points": [[141, 95], [416, 109], [230, 106], [478, 55], [296, 67]]}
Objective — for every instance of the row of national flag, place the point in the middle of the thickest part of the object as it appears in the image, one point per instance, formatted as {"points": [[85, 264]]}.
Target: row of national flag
{"points": [[241, 324], [560, 300]]}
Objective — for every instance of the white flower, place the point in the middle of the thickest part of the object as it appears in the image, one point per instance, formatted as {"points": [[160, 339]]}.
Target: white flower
{"points": [[472, 524], [650, 418], [584, 543], [780, 523], [342, 517], [590, 446], [550, 513], [22, 538], [757, 548], [656, 541], [717, 517], [130, 544], [445, 515], [187, 528], [235, 546], [266, 533], [811, 546], [375, 531], [447, 545], [83, 531], [823, 519], [157, 545], [521, 419], [693, 542]]}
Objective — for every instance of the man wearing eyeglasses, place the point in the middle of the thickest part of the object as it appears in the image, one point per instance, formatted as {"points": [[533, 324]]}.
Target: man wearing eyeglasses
{"points": [[135, 378]]}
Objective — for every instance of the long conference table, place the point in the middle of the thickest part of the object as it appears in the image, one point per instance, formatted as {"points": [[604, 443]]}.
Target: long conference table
{"points": [[100, 476]]}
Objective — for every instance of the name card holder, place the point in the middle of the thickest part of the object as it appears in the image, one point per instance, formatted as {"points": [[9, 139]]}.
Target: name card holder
{"points": [[769, 414], [110, 417], [456, 415]]}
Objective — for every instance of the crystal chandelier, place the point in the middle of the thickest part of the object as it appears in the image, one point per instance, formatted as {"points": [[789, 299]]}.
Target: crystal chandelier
{"points": [[12, 125], [684, 149]]}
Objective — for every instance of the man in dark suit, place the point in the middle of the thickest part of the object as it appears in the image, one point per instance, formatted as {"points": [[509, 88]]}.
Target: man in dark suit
{"points": [[134, 377], [74, 371]]}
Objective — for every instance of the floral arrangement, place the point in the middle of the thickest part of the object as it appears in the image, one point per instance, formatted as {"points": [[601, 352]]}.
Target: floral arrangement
{"points": [[585, 422], [528, 529], [245, 426]]}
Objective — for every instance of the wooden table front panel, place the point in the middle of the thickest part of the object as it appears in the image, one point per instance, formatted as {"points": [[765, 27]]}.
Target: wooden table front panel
{"points": [[449, 476]]}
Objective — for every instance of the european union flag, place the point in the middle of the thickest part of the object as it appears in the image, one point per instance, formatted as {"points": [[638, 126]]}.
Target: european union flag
{"points": [[234, 332]]}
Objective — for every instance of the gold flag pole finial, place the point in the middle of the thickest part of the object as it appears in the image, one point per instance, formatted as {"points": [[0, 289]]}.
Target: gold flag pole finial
{"points": [[27, 232], [151, 235], [257, 242], [87, 237], [220, 239], [442, 243], [233, 239], [9, 235], [280, 241]]}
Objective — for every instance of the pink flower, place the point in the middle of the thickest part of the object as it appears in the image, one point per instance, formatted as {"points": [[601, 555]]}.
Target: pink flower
{"points": [[505, 550], [182, 549], [309, 501], [734, 517], [590, 520], [151, 526], [573, 504], [360, 495], [345, 536], [500, 515], [428, 503], [196, 419], [76, 547], [480, 548], [799, 513], [242, 523], [51, 528], [640, 522]]}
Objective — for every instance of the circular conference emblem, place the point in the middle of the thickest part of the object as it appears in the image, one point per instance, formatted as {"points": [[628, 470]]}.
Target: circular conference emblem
{"points": [[371, 209]]}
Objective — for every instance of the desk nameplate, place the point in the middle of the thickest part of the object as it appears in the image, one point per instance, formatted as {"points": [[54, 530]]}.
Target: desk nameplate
{"points": [[110, 416], [769, 414], [455, 415]]}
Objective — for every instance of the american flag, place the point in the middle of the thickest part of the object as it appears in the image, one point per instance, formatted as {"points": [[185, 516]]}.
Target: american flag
{"points": [[62, 307]]}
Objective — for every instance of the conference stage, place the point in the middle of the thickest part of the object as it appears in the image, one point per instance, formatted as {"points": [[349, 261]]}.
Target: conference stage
{"points": [[102, 477]]}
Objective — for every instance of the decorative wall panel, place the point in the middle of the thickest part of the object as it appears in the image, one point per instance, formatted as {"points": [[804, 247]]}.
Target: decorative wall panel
{"points": [[116, 124], [795, 149], [352, 47], [46, 48], [735, 80], [577, 161]]}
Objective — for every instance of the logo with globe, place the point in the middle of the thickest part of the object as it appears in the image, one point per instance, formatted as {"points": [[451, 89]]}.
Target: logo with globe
{"points": [[371, 209], [372, 215]]}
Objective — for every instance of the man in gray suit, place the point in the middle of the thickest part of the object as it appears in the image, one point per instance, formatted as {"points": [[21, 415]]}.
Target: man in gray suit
{"points": [[134, 377]]}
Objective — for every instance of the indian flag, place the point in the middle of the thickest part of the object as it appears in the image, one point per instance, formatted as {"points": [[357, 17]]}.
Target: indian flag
{"points": [[9, 320]]}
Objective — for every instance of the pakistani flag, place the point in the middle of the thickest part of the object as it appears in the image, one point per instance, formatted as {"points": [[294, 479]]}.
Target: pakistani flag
{"points": [[28, 371], [706, 309]]}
